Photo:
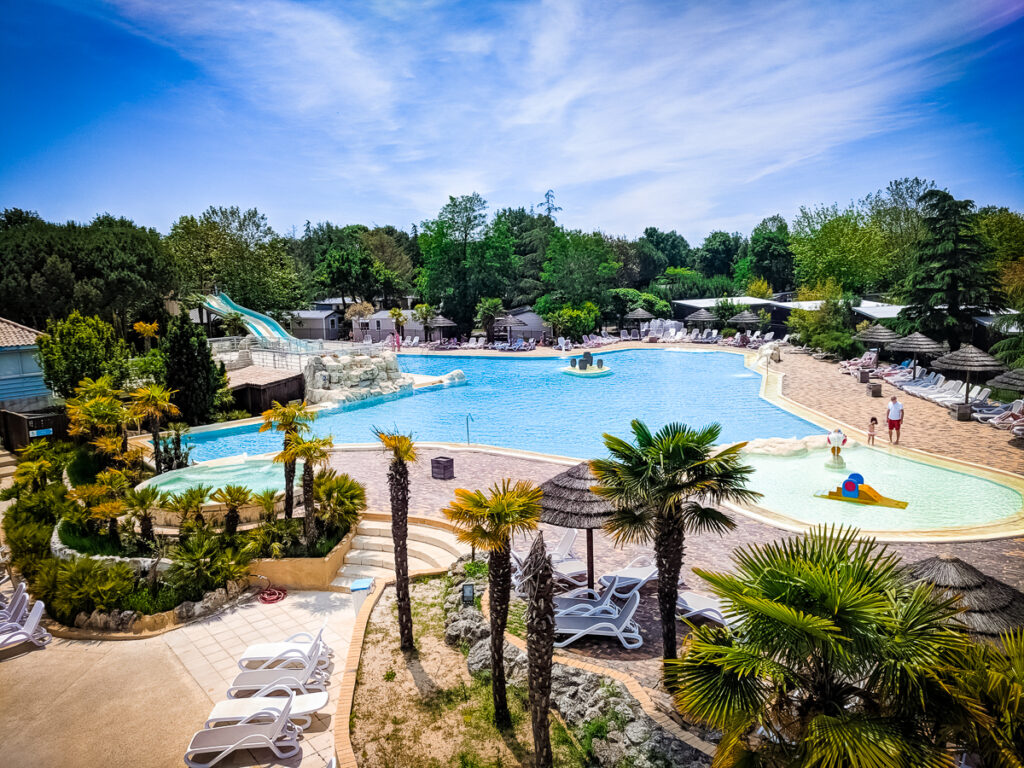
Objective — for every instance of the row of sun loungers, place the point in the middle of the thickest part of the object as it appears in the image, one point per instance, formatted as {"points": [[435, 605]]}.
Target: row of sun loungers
{"points": [[272, 700], [20, 623]]}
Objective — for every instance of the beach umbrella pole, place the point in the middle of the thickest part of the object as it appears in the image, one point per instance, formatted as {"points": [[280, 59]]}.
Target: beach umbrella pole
{"points": [[590, 558]]}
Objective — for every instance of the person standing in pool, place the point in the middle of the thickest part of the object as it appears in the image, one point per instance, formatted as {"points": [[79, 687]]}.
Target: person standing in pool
{"points": [[894, 415]]}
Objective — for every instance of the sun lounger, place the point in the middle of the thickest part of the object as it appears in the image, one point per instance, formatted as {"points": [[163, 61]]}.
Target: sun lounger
{"points": [[309, 679], [17, 606], [295, 651], [691, 605], [640, 571], [620, 626], [585, 601], [956, 391], [634, 335], [563, 551], [27, 631], [1007, 420], [304, 705], [280, 736], [981, 413], [623, 335]]}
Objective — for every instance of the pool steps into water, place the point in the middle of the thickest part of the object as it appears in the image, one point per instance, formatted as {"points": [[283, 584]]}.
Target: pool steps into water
{"points": [[372, 552]]}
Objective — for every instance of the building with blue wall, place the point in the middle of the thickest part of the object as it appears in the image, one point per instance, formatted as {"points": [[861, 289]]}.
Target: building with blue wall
{"points": [[21, 378]]}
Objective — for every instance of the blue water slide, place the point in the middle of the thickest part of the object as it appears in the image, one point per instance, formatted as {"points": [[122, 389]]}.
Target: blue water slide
{"points": [[257, 323]]}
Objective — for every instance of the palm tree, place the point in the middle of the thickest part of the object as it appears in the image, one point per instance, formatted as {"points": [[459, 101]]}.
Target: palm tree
{"points": [[662, 487], [540, 645], [340, 499], [994, 674], [834, 658], [312, 453], [188, 504], [403, 453], [292, 419], [33, 474], [140, 503], [487, 312], [151, 404], [489, 522], [148, 332], [233, 497], [398, 318], [266, 500], [424, 314]]}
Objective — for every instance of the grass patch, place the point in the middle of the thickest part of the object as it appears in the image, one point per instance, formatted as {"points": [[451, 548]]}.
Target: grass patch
{"points": [[476, 569], [517, 618]]}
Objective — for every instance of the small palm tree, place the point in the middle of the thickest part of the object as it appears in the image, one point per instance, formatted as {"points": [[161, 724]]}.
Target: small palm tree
{"points": [[398, 318], [140, 503], [33, 474], [109, 512], [340, 499], [994, 674], [188, 505], [152, 404], [233, 324], [662, 486], [234, 497], [266, 500], [489, 522], [540, 645], [487, 312], [834, 658], [291, 419], [148, 332], [403, 453], [312, 453], [424, 314]]}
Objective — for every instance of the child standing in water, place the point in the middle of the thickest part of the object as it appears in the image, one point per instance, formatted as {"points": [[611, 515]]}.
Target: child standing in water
{"points": [[871, 430]]}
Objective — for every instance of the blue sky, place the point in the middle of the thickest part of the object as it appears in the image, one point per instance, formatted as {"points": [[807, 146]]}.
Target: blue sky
{"points": [[689, 116]]}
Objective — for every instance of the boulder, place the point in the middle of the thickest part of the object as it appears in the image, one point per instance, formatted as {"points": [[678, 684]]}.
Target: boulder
{"points": [[126, 620], [184, 612], [97, 620], [81, 619], [235, 588]]}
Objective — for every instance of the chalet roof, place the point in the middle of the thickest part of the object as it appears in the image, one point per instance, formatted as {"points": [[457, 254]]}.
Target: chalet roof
{"points": [[14, 334]]}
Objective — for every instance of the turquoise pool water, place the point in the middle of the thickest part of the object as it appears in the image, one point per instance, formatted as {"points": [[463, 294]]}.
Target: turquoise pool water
{"points": [[255, 474], [529, 403], [937, 497]]}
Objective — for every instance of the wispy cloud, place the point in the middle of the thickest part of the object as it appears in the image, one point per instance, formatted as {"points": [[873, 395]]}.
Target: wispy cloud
{"points": [[636, 113]]}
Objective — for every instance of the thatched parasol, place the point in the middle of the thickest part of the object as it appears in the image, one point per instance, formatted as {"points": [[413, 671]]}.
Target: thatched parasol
{"points": [[746, 317], [639, 314], [510, 322], [968, 359], [442, 322], [991, 607], [568, 502], [878, 335], [701, 316], [917, 344], [1011, 380]]}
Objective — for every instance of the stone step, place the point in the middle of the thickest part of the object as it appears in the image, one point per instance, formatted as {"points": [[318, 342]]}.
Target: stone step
{"points": [[436, 556], [435, 537], [382, 559], [348, 574]]}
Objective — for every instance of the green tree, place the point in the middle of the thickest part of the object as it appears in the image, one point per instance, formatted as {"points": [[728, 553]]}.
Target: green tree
{"points": [[540, 644], [424, 314], [340, 499], [579, 267], [640, 261], [191, 372], [234, 325], [234, 497], [80, 348], [841, 245], [834, 658], [398, 318], [572, 321], [897, 213], [953, 276], [994, 675], [671, 245], [663, 486], [770, 256], [487, 312], [717, 253], [313, 453], [489, 522], [150, 405], [403, 453], [292, 418], [443, 280], [141, 503]]}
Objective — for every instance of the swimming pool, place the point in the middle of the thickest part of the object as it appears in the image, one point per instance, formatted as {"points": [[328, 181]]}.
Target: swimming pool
{"points": [[254, 473], [528, 403]]}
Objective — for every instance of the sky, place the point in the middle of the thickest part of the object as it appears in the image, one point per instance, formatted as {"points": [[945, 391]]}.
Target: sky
{"points": [[681, 115]]}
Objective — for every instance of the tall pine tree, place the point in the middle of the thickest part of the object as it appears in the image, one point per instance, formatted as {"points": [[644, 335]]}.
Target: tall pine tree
{"points": [[191, 370]]}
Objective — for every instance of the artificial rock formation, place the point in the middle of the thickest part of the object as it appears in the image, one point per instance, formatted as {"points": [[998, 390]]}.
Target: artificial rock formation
{"points": [[350, 378]]}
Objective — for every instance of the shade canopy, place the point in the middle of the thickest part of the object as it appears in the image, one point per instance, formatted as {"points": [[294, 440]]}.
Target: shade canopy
{"points": [[746, 317], [639, 314], [968, 358], [991, 607], [508, 321], [1012, 380], [568, 501], [917, 343], [700, 316], [441, 322], [878, 334]]}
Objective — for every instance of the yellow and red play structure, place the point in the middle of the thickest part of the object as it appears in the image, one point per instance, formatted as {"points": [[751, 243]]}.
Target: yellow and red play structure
{"points": [[854, 490]]}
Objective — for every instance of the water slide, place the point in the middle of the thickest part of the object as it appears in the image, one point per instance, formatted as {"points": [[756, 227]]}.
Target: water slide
{"points": [[257, 324]]}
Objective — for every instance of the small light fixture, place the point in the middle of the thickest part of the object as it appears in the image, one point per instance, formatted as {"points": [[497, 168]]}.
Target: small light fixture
{"points": [[467, 593]]}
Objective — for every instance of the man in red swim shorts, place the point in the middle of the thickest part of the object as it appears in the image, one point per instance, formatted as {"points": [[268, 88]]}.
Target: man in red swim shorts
{"points": [[895, 418]]}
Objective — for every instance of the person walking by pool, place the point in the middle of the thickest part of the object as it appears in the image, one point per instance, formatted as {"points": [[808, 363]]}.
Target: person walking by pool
{"points": [[895, 417], [872, 427]]}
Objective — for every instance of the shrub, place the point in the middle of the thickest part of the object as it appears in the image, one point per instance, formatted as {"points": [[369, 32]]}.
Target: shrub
{"points": [[82, 584], [164, 599], [728, 333]]}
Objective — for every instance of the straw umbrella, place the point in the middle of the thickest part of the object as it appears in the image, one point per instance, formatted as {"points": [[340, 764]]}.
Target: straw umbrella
{"points": [[990, 606], [639, 314], [878, 335], [568, 502], [701, 316], [968, 359], [744, 318], [442, 322], [917, 344], [1011, 380], [510, 322]]}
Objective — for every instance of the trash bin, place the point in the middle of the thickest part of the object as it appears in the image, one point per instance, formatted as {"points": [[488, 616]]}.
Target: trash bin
{"points": [[442, 468], [864, 376], [874, 390], [962, 411]]}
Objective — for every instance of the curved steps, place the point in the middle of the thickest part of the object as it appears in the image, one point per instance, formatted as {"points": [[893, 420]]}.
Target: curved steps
{"points": [[372, 553]]}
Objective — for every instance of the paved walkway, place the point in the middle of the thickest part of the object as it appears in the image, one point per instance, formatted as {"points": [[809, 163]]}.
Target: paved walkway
{"points": [[136, 703]]}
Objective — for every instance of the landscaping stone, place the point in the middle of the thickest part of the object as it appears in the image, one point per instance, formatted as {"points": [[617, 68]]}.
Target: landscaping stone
{"points": [[350, 378], [184, 612], [81, 619]]}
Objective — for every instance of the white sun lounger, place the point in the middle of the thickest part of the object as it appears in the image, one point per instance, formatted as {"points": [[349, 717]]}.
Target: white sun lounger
{"points": [[303, 707], [309, 679], [640, 571], [29, 631], [17, 608], [292, 652], [691, 605], [279, 736], [564, 549], [589, 600], [620, 626]]}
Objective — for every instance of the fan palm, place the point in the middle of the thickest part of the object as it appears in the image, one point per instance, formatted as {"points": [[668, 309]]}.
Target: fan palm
{"points": [[233, 497], [403, 453], [188, 504], [266, 500], [33, 474], [540, 645], [293, 418], [489, 522], [340, 499], [151, 404], [140, 503], [312, 453], [663, 486], [833, 658], [995, 675]]}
